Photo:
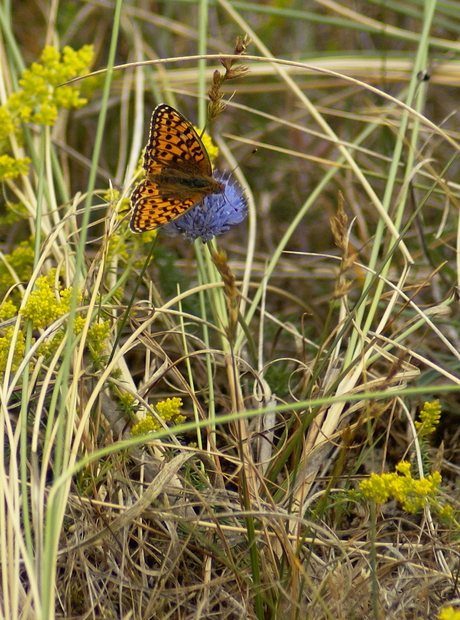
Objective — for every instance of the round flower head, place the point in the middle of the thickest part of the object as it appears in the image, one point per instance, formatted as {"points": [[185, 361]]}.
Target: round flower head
{"points": [[214, 215]]}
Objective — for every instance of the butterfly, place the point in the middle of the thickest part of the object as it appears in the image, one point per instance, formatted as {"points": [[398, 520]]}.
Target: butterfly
{"points": [[178, 172]]}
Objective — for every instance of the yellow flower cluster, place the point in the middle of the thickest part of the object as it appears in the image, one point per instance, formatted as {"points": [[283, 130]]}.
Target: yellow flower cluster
{"points": [[412, 493], [6, 124], [44, 306], [7, 310], [449, 613], [168, 410], [11, 168], [19, 349], [98, 333], [78, 324], [20, 262], [40, 99], [97, 341], [429, 418]]}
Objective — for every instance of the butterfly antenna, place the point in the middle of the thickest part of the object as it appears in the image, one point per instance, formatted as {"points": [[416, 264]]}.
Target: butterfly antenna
{"points": [[246, 157]]}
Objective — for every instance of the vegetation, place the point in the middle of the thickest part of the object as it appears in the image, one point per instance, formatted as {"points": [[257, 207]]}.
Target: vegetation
{"points": [[262, 424]]}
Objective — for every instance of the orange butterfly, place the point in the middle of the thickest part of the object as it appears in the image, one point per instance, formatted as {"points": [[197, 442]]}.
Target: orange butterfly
{"points": [[178, 172]]}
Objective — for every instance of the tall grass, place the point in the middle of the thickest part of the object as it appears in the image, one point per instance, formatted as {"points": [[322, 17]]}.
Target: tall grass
{"points": [[303, 343]]}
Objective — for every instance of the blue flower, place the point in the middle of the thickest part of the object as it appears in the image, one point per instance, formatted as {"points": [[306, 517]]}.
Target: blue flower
{"points": [[214, 215]]}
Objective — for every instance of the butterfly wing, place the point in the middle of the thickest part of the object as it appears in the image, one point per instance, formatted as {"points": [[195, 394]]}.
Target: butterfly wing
{"points": [[174, 147], [152, 209]]}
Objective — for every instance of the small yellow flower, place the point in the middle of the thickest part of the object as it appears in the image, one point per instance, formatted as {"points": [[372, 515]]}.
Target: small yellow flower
{"points": [[112, 195], [98, 335], [376, 488], [404, 468], [449, 613], [147, 425], [78, 324], [44, 306], [168, 410], [6, 123], [447, 512], [7, 310], [411, 493], [19, 349], [20, 261], [429, 418]]}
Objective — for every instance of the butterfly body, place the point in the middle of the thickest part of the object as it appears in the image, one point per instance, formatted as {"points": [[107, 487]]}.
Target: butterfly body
{"points": [[178, 172]]}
